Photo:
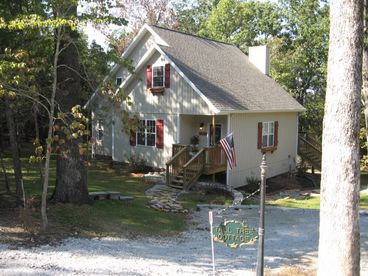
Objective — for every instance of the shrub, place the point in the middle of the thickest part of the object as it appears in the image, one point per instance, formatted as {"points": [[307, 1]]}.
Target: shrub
{"points": [[138, 165], [252, 181]]}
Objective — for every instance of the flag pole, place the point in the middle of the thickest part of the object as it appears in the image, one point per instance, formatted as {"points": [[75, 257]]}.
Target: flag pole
{"points": [[261, 230], [210, 217]]}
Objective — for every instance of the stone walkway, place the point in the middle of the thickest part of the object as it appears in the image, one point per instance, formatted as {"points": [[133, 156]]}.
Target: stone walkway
{"points": [[164, 198]]}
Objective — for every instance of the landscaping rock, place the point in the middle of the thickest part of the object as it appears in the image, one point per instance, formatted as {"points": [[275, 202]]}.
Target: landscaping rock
{"points": [[109, 195], [163, 198]]}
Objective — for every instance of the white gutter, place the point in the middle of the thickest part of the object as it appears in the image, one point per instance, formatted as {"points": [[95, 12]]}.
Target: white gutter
{"points": [[226, 112]]}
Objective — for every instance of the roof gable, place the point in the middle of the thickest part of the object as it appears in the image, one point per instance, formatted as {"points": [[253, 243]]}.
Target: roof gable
{"points": [[224, 75], [219, 72]]}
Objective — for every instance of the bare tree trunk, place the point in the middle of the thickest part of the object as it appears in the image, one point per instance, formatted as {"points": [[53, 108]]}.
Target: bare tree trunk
{"points": [[37, 131], [4, 172], [71, 170], [15, 151], [339, 241], [50, 132], [35, 118], [365, 70]]}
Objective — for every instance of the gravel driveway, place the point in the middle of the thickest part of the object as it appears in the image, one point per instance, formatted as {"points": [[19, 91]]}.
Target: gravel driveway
{"points": [[291, 239]]}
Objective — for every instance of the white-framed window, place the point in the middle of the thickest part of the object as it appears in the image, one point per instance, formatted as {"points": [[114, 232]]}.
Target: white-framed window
{"points": [[119, 81], [99, 130], [268, 134], [158, 76], [146, 134]]}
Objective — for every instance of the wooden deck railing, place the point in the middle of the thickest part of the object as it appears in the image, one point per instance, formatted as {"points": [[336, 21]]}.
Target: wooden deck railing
{"points": [[311, 150], [215, 160], [193, 169], [177, 147], [187, 165], [176, 163]]}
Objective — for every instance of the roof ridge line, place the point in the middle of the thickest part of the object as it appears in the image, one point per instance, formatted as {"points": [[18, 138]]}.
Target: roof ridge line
{"points": [[194, 35]]}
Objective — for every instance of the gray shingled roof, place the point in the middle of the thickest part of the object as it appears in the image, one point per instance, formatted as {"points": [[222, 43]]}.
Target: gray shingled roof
{"points": [[224, 74]]}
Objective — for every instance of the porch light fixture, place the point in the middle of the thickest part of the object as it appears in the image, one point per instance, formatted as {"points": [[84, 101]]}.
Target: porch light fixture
{"points": [[201, 126]]}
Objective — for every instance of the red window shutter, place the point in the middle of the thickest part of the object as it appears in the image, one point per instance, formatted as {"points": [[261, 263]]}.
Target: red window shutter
{"points": [[132, 138], [167, 75], [259, 143], [149, 76], [160, 134], [276, 133]]}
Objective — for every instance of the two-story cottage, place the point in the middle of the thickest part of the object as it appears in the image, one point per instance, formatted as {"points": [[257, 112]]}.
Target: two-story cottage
{"points": [[191, 89]]}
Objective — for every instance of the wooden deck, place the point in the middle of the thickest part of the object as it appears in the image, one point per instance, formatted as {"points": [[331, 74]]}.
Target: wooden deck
{"points": [[188, 164]]}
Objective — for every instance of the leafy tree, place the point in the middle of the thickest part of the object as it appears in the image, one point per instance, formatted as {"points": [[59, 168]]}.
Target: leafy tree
{"points": [[299, 57], [59, 26], [192, 15], [339, 243], [242, 23]]}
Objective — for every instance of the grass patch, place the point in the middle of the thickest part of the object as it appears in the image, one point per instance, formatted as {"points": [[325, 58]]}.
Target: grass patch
{"points": [[192, 199], [99, 218], [310, 203]]}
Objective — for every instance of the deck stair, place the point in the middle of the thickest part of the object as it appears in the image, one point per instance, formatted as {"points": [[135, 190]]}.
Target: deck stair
{"points": [[310, 149], [188, 164]]}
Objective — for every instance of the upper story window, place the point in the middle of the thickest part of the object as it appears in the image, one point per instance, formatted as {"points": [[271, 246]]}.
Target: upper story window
{"points": [[146, 134], [119, 81], [158, 76], [268, 134]]}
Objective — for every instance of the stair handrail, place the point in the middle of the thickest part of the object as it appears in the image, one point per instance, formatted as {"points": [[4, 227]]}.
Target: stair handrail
{"points": [[169, 164], [176, 156], [310, 144], [193, 158], [199, 169], [312, 138]]}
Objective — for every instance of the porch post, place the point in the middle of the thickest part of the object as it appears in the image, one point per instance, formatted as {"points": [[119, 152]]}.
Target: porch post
{"points": [[178, 128], [213, 131]]}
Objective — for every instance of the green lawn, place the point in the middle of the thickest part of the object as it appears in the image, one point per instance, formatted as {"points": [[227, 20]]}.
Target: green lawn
{"points": [[104, 217], [191, 200], [311, 203]]}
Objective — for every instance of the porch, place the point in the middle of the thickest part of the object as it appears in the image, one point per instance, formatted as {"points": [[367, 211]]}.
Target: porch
{"points": [[188, 163]]}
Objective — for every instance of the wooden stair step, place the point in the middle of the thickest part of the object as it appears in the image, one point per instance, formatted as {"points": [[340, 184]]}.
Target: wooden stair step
{"points": [[176, 186], [178, 181]]}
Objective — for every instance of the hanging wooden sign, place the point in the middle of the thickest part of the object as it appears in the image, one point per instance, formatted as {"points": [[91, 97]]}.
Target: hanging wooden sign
{"points": [[234, 234]]}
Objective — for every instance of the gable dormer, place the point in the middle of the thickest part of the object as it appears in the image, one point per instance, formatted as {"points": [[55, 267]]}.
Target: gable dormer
{"points": [[158, 76]]}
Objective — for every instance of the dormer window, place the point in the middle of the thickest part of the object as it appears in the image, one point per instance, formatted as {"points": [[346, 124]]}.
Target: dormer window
{"points": [[158, 76], [119, 81]]}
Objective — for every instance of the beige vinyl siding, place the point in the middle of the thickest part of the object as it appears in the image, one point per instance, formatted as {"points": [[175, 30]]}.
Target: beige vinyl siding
{"points": [[244, 128], [179, 98], [103, 146], [153, 156], [136, 55]]}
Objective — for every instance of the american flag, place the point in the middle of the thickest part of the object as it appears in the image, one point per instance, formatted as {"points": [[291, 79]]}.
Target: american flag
{"points": [[227, 144]]}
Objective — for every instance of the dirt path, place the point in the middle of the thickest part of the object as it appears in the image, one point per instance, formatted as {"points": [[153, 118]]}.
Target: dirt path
{"points": [[291, 239]]}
